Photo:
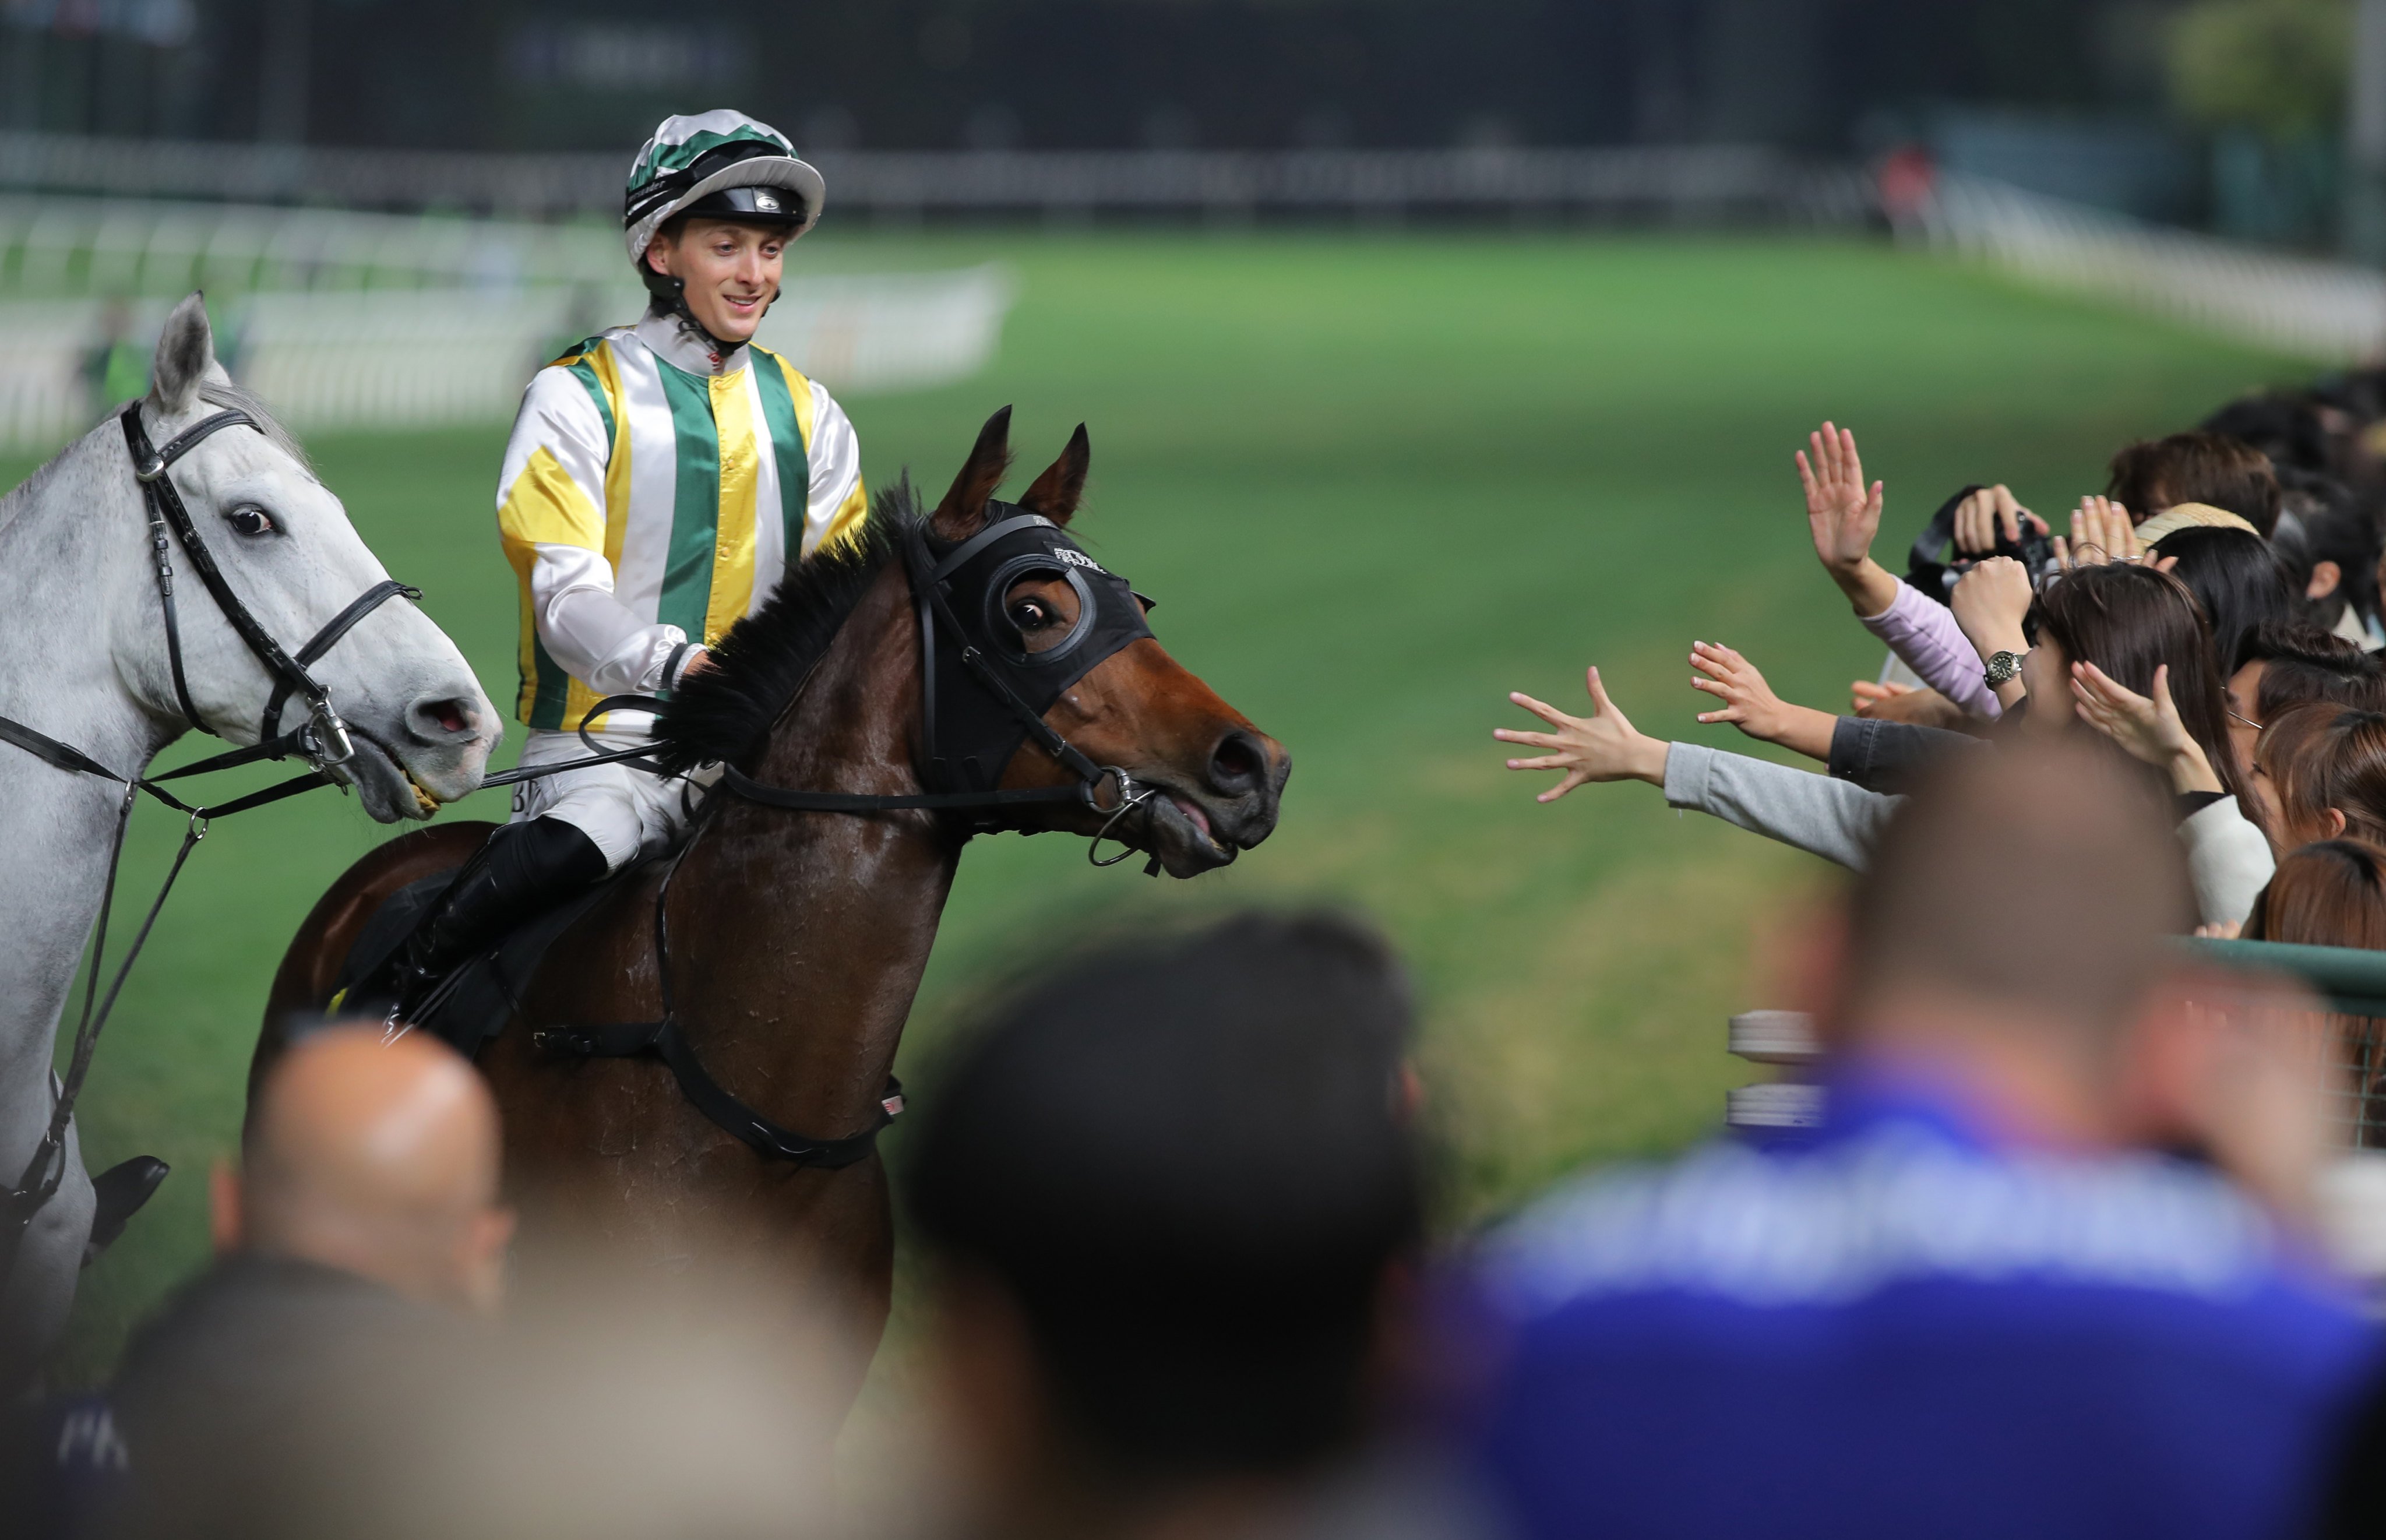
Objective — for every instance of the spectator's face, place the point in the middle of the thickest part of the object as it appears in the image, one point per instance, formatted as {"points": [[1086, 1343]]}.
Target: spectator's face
{"points": [[2244, 693], [2046, 678]]}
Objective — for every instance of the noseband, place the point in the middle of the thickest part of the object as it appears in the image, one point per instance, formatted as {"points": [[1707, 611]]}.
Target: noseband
{"points": [[322, 740]]}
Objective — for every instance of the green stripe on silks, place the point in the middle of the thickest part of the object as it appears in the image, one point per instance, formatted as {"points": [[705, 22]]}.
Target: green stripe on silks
{"points": [[695, 503], [787, 449], [585, 372], [547, 699]]}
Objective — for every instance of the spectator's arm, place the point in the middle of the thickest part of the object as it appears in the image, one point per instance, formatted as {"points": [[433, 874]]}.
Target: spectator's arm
{"points": [[1925, 637], [2228, 860], [1990, 605], [1884, 757], [1835, 819]]}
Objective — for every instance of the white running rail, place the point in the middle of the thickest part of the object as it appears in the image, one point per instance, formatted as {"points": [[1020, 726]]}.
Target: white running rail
{"points": [[369, 321], [2327, 311]]}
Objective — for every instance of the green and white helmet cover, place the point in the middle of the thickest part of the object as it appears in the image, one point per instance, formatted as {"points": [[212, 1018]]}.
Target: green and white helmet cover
{"points": [[691, 157]]}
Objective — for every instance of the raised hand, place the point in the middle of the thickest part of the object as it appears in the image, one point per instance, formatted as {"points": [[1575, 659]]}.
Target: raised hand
{"points": [[1602, 746], [1843, 517], [1749, 704], [1990, 603], [1988, 513], [2101, 533], [2148, 729]]}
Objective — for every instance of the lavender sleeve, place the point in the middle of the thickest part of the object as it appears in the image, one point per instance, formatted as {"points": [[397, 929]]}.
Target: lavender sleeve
{"points": [[1924, 635]]}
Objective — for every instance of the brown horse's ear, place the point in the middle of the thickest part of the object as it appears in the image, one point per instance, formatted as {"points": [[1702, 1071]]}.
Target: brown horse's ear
{"points": [[1056, 492], [962, 513]]}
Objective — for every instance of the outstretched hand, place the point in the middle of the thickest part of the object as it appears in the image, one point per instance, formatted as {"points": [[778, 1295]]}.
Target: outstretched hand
{"points": [[1602, 746], [2147, 729], [1749, 704]]}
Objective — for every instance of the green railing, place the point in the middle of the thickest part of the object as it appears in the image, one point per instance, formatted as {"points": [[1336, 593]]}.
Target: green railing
{"points": [[2351, 980]]}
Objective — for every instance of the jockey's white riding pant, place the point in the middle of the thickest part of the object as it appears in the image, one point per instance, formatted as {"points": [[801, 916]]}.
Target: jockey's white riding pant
{"points": [[628, 812]]}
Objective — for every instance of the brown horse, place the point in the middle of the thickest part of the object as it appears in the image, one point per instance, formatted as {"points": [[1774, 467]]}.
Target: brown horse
{"points": [[797, 938]]}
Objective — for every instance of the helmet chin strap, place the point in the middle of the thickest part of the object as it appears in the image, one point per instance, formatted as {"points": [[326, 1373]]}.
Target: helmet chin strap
{"points": [[670, 293]]}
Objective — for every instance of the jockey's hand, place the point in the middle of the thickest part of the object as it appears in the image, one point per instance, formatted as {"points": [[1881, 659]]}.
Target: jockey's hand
{"points": [[695, 662]]}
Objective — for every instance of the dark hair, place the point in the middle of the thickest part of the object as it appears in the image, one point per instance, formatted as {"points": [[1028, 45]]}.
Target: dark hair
{"points": [[2286, 429], [2155, 474], [2332, 893], [2319, 519], [2131, 619], [2320, 756], [2306, 663], [1188, 1163], [2235, 579]]}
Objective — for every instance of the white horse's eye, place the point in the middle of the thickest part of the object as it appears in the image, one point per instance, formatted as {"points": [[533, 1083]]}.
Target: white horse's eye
{"points": [[249, 519]]}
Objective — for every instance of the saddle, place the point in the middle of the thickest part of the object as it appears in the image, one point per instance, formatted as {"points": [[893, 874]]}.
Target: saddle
{"points": [[473, 1003]]}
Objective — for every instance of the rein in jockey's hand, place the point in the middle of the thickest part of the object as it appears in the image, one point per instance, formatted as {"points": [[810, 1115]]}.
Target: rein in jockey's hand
{"points": [[1602, 746]]}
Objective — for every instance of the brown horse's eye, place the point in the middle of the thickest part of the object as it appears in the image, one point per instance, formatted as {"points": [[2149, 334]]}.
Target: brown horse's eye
{"points": [[1030, 614]]}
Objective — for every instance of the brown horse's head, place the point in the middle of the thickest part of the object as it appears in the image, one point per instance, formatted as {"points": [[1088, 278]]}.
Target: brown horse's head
{"points": [[1218, 778]]}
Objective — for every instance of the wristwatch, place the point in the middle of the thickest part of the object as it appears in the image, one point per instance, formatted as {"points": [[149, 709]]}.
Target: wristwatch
{"points": [[2004, 668]]}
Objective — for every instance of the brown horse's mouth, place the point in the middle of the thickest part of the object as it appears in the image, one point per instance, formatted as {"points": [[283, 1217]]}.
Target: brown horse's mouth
{"points": [[1177, 830]]}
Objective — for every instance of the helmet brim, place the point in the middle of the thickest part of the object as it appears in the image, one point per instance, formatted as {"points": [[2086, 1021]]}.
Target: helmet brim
{"points": [[783, 172]]}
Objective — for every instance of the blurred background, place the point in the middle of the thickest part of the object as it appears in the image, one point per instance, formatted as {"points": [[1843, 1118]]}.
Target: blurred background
{"points": [[1428, 352]]}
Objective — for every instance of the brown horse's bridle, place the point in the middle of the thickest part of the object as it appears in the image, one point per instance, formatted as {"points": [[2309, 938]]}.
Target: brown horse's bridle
{"points": [[1101, 634]]}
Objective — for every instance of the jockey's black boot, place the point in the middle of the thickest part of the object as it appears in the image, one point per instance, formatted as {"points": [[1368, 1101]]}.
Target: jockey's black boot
{"points": [[524, 870]]}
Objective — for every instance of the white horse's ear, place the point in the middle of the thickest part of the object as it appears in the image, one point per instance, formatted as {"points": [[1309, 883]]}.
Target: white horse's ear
{"points": [[186, 353]]}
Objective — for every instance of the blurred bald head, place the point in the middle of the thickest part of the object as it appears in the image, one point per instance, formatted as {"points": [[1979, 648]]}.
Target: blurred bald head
{"points": [[2036, 880], [379, 1158]]}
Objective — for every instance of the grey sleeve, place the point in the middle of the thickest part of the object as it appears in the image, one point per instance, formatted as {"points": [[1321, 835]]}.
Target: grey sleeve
{"points": [[1836, 820]]}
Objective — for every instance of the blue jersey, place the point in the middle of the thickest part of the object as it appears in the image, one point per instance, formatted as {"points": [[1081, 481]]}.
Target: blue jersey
{"points": [[1900, 1330]]}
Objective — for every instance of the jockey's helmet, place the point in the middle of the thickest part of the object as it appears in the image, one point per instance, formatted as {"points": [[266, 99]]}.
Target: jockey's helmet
{"points": [[718, 165]]}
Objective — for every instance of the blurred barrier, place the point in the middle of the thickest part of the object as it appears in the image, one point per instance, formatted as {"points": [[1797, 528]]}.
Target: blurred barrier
{"points": [[346, 320], [1696, 183], [2329, 311]]}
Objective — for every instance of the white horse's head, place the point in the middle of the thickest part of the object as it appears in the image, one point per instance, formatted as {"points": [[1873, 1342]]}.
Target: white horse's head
{"points": [[422, 725]]}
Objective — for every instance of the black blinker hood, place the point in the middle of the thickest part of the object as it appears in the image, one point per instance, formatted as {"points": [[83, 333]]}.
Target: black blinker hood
{"points": [[975, 657]]}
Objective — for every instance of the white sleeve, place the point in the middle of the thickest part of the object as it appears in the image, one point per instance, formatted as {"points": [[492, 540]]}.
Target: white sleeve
{"points": [[836, 503], [593, 636], [551, 517], [2227, 858]]}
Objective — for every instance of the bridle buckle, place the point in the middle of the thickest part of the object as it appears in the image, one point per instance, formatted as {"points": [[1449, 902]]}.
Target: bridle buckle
{"points": [[149, 469], [328, 744]]}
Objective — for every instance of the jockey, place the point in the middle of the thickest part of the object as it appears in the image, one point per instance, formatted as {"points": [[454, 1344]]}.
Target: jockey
{"points": [[660, 479]]}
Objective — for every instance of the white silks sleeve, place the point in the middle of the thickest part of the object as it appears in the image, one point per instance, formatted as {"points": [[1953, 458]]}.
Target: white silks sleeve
{"points": [[836, 505], [552, 517]]}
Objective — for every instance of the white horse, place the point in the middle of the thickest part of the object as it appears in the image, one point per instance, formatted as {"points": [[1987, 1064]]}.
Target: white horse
{"points": [[83, 660]]}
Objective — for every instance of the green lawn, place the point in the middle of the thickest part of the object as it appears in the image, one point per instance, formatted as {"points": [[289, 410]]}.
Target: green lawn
{"points": [[1377, 482]]}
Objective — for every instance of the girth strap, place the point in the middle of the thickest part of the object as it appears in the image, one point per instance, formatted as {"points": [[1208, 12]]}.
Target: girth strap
{"points": [[665, 1040]]}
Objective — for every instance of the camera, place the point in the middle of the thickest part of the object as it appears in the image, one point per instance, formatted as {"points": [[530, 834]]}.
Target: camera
{"points": [[1925, 570]]}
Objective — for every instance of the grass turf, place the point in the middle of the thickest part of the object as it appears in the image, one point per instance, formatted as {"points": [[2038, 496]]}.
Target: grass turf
{"points": [[1377, 482]]}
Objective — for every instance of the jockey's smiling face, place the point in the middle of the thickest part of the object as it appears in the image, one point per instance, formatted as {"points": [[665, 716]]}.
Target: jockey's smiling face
{"points": [[731, 271]]}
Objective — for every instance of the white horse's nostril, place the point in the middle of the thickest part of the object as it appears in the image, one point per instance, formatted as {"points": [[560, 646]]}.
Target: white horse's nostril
{"points": [[444, 717]]}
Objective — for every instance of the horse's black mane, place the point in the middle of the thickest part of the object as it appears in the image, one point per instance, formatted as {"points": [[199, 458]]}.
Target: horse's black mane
{"points": [[725, 712]]}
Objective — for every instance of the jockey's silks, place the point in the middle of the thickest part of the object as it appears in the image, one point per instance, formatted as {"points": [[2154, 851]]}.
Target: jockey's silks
{"points": [[647, 503]]}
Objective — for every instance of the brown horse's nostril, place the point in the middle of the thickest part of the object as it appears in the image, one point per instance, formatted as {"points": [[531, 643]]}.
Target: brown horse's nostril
{"points": [[1238, 766]]}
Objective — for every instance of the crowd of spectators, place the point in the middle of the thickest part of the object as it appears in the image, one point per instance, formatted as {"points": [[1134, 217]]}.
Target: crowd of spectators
{"points": [[2048, 1265]]}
